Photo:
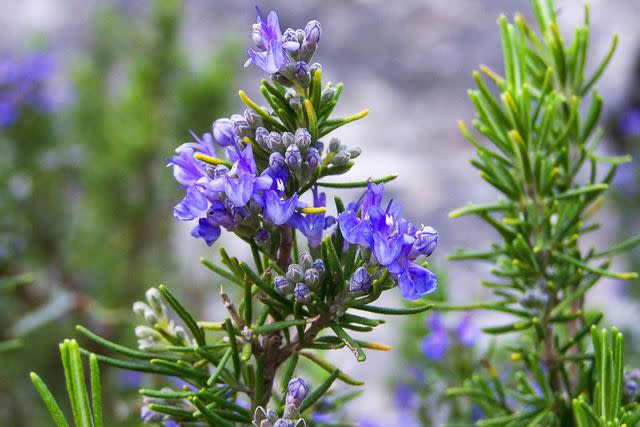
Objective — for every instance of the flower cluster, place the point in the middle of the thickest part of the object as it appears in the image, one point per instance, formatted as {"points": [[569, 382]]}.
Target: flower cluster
{"points": [[436, 345], [296, 392], [228, 194], [392, 241], [286, 56], [21, 85]]}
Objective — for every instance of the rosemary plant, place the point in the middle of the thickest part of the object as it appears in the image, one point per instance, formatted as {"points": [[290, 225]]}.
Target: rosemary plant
{"points": [[540, 154], [250, 176]]}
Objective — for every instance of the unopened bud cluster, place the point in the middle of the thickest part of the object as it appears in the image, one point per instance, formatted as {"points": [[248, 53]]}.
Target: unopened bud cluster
{"points": [[290, 151], [160, 330], [301, 279], [339, 154], [296, 392]]}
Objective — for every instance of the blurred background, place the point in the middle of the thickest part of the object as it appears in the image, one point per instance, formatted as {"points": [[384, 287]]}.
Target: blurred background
{"points": [[95, 95]]}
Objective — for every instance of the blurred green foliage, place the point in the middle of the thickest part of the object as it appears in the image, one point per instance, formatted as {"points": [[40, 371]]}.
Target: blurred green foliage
{"points": [[88, 207]]}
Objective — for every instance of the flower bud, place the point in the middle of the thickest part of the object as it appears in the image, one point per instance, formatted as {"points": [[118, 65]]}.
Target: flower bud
{"points": [[302, 73], [180, 333], [305, 260], [262, 237], [327, 94], [313, 158], [306, 51], [293, 158], [155, 300], [262, 137], [360, 282], [275, 142], [312, 279], [284, 423], [354, 152], [295, 104], [334, 145], [252, 118], [296, 391], [341, 158], [631, 387], [312, 32], [302, 293], [142, 331], [319, 146], [276, 161], [290, 40], [139, 308], [288, 139], [315, 67], [223, 132], [282, 285], [426, 242], [318, 265], [303, 139], [295, 273], [240, 126]]}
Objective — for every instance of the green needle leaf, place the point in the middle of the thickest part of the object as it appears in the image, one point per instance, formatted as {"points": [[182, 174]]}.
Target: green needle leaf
{"points": [[49, 401], [349, 342]]}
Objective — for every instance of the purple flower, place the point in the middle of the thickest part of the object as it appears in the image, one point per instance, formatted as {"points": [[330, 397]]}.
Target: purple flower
{"points": [[206, 230], [270, 56], [426, 242], [313, 225], [186, 169], [467, 332], [393, 240], [279, 211], [193, 205], [436, 344], [416, 282]]}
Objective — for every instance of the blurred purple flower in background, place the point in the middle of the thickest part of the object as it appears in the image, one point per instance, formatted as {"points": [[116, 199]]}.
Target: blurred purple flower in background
{"points": [[467, 332], [436, 344], [630, 123], [22, 85]]}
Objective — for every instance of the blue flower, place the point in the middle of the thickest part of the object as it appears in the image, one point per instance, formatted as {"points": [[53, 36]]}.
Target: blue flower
{"points": [[416, 281], [313, 225], [193, 205], [267, 36], [206, 230], [630, 123], [394, 242], [186, 169], [436, 344], [22, 85], [277, 210], [467, 332]]}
